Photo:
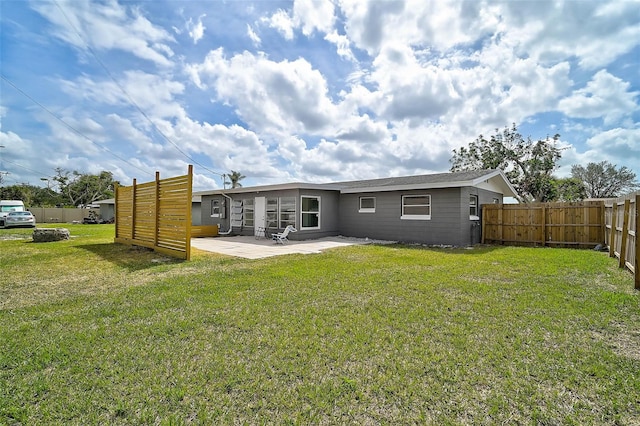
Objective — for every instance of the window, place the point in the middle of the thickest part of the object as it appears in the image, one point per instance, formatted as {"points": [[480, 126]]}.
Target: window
{"points": [[416, 207], [367, 205], [248, 211], [287, 211], [272, 212], [215, 208], [310, 212], [473, 207]]}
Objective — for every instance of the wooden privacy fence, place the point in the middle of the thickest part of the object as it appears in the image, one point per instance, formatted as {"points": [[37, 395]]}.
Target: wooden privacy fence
{"points": [[59, 215], [621, 222], [156, 215], [579, 225]]}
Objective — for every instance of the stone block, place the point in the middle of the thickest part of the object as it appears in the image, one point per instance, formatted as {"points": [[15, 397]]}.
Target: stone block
{"points": [[45, 235]]}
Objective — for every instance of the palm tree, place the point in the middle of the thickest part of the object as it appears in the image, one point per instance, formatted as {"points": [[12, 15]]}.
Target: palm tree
{"points": [[235, 178]]}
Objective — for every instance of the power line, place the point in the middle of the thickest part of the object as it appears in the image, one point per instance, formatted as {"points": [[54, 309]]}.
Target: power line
{"points": [[133, 103], [70, 127], [26, 168]]}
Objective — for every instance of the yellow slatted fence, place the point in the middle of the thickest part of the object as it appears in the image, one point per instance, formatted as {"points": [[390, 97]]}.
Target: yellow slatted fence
{"points": [[156, 215]]}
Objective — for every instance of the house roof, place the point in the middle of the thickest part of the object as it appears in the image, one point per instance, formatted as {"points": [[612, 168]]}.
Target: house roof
{"points": [[106, 201], [487, 179]]}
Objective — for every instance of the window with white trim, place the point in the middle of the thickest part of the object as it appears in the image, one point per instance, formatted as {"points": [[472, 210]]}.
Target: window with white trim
{"points": [[272, 212], [248, 210], [473, 207], [416, 207], [367, 205], [216, 207], [287, 213], [309, 212]]}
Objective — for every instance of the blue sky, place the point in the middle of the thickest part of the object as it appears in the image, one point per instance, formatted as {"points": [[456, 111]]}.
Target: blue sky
{"points": [[311, 91]]}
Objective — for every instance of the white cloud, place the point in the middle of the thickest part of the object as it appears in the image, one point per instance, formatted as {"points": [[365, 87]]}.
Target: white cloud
{"points": [[440, 24], [619, 142], [595, 32], [604, 96], [411, 81], [313, 15], [154, 94], [619, 146], [106, 26], [253, 36], [308, 15], [273, 97], [196, 30], [342, 45], [282, 22]]}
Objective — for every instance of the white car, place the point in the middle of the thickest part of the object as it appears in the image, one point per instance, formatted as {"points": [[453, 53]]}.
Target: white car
{"points": [[19, 219]]}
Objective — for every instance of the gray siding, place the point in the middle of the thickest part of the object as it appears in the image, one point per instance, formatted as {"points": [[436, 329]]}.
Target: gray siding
{"points": [[329, 205], [329, 215], [196, 214], [449, 224]]}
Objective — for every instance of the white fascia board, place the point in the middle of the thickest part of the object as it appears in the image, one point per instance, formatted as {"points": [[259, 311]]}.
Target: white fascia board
{"points": [[496, 181], [277, 187]]}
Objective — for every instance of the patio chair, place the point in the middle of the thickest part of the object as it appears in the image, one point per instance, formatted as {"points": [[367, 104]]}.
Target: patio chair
{"points": [[281, 237]]}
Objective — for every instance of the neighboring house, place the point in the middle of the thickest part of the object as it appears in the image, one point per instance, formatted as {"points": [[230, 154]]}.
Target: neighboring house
{"points": [[107, 208], [431, 209]]}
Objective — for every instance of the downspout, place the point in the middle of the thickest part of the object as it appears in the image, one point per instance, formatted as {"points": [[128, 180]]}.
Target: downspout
{"points": [[230, 206]]}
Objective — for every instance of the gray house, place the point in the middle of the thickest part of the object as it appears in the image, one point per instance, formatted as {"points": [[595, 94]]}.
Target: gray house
{"points": [[439, 208]]}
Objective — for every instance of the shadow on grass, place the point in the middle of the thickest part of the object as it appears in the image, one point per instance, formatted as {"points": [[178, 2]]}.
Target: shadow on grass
{"points": [[133, 258]]}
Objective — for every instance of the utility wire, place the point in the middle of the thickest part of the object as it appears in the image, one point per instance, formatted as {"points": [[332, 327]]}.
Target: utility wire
{"points": [[133, 103], [26, 168], [70, 127]]}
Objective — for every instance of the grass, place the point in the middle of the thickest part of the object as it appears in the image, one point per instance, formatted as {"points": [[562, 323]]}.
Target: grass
{"points": [[97, 333]]}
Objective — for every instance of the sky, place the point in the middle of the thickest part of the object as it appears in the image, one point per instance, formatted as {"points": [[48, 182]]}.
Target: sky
{"points": [[309, 90]]}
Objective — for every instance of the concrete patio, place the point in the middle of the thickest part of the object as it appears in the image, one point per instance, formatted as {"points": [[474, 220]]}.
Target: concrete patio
{"points": [[252, 248]]}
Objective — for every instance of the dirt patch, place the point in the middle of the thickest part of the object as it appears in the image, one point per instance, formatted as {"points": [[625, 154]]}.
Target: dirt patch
{"points": [[10, 237]]}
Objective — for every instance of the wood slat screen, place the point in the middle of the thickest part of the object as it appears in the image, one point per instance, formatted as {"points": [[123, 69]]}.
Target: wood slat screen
{"points": [[156, 215]]}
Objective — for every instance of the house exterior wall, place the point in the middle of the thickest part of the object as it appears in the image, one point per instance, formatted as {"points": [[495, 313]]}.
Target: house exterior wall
{"points": [[107, 211], [329, 215], [196, 214], [450, 223], [329, 205]]}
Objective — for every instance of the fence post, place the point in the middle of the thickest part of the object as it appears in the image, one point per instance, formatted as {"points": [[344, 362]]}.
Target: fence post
{"points": [[544, 225], [115, 213], [189, 206], [603, 221], [484, 222], [612, 236], [636, 266], [156, 216], [625, 233], [500, 224], [133, 210]]}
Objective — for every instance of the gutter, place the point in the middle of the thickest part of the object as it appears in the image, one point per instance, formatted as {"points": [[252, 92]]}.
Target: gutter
{"points": [[230, 205]]}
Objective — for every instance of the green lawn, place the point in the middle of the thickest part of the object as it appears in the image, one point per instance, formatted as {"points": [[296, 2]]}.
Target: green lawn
{"points": [[97, 333]]}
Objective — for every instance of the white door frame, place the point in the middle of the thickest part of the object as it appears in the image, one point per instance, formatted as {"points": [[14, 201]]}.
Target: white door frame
{"points": [[259, 214]]}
